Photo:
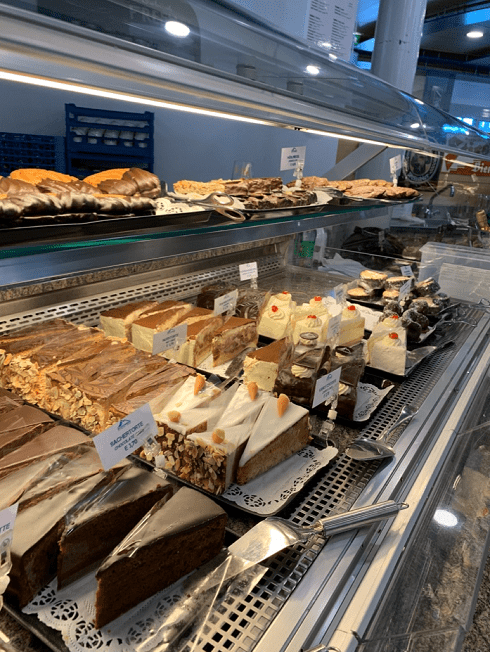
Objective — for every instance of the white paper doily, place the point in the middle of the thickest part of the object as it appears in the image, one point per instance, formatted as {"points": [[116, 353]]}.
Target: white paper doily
{"points": [[71, 611], [270, 491]]}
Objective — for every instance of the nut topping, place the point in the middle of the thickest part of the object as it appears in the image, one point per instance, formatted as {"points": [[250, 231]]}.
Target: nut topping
{"points": [[173, 416]]}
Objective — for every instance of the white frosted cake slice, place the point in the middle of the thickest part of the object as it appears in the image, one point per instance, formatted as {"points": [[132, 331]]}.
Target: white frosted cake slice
{"points": [[117, 322], [276, 317], [383, 328], [245, 405], [311, 323], [389, 353], [160, 318], [351, 327], [281, 430], [262, 366]]}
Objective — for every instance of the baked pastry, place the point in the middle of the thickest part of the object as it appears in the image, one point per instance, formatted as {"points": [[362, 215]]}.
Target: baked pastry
{"points": [[276, 316], [360, 293], [36, 175], [374, 280], [282, 429], [156, 319], [351, 326], [396, 282], [202, 324], [426, 288], [235, 335], [104, 517], [117, 322], [209, 293], [151, 556], [261, 366]]}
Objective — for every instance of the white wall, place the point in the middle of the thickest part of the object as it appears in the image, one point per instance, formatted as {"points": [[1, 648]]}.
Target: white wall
{"points": [[187, 146]]}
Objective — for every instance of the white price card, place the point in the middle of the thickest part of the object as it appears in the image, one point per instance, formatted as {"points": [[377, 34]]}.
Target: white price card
{"points": [[334, 326], [248, 271], [406, 270], [395, 164], [125, 436], [327, 388], [173, 338], [290, 156], [226, 303], [405, 290], [339, 293], [7, 519]]}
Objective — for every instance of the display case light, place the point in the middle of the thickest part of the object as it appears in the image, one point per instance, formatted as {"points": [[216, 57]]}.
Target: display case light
{"points": [[313, 70], [475, 33], [177, 29]]}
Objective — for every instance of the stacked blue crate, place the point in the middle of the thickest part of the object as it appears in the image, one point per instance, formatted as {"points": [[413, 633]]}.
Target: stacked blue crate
{"points": [[99, 140], [31, 151]]}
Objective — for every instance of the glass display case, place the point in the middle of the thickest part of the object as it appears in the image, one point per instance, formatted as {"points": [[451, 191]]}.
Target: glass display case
{"points": [[339, 592]]}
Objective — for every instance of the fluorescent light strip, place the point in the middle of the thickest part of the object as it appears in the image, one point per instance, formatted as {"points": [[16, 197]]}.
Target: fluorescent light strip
{"points": [[112, 95], [354, 138]]}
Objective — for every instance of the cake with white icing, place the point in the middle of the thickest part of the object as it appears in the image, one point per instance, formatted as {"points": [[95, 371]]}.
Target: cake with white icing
{"points": [[281, 430], [351, 326], [276, 317], [389, 353]]}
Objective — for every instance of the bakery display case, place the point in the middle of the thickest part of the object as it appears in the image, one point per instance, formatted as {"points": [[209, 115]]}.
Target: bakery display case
{"points": [[343, 592]]}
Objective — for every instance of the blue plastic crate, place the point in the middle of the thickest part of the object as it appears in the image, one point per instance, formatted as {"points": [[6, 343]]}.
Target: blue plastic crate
{"points": [[124, 138], [31, 151]]}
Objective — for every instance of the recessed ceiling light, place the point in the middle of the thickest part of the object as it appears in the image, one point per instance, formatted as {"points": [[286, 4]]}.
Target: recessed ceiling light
{"points": [[476, 33], [177, 29], [313, 70]]}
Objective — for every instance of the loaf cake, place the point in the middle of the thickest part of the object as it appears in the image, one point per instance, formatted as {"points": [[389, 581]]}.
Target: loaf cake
{"points": [[235, 335], [104, 517], [282, 428], [173, 539]]}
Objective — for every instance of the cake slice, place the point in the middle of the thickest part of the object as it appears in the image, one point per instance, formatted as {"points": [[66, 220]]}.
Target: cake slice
{"points": [[104, 518], [160, 318], [20, 426], [173, 539], [202, 324], [276, 316], [261, 366], [351, 326], [117, 321], [234, 336], [56, 439], [9, 401], [281, 430]]}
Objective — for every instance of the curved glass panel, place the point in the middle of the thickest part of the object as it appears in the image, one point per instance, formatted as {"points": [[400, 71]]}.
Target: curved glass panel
{"points": [[216, 38]]}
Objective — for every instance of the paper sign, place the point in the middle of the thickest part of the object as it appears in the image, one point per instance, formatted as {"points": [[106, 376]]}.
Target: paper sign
{"points": [[339, 293], [173, 338], [125, 436], [395, 164], [405, 290], [327, 387], [226, 303], [334, 326], [248, 271], [290, 157], [406, 270], [7, 519]]}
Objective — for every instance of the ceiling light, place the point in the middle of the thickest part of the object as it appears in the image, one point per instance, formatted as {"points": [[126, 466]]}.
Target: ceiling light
{"points": [[476, 33], [313, 70], [177, 29]]}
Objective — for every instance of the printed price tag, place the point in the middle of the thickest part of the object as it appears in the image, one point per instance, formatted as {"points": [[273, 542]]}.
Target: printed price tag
{"points": [[339, 293], [406, 270], [290, 156], [334, 326], [405, 290], [125, 436], [7, 519], [226, 303], [173, 338], [248, 271], [395, 164], [327, 387]]}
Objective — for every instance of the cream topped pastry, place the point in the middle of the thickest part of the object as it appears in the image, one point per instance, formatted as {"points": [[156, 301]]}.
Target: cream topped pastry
{"points": [[389, 354], [351, 326], [312, 323], [276, 316]]}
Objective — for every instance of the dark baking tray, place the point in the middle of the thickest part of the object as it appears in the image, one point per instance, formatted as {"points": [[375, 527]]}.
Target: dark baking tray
{"points": [[88, 224], [274, 213]]}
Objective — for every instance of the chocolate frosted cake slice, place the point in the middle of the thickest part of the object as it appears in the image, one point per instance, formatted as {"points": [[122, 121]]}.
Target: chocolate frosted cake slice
{"points": [[105, 517], [20, 426], [173, 539]]}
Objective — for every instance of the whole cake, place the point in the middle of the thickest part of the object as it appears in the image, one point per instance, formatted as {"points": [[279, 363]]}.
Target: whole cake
{"points": [[173, 539]]}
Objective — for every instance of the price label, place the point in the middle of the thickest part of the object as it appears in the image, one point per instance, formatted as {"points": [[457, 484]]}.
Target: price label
{"points": [[339, 293], [405, 290], [125, 436], [7, 519], [248, 271], [327, 387], [334, 326], [226, 303], [406, 270], [395, 164], [173, 338], [291, 156]]}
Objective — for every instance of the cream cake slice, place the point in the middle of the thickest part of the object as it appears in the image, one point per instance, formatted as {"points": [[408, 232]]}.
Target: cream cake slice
{"points": [[275, 318], [261, 366], [351, 326], [117, 321], [202, 324], [158, 319], [282, 429], [389, 353], [235, 335]]}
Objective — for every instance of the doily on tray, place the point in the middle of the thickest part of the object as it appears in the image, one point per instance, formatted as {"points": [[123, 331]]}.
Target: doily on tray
{"points": [[71, 611], [270, 491]]}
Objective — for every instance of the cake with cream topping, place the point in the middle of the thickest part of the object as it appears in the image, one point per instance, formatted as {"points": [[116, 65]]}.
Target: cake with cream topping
{"points": [[155, 320], [351, 327], [261, 366], [276, 316], [389, 353]]}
